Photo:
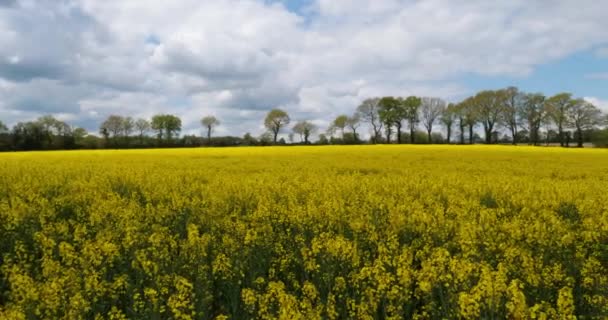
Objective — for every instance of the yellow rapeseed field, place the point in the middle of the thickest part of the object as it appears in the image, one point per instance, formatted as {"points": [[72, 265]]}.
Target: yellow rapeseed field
{"points": [[361, 232]]}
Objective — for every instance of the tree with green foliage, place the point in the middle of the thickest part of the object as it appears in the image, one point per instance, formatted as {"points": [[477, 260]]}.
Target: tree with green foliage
{"points": [[209, 123], [469, 116], [59, 134], [389, 113], [31, 135], [340, 123], [353, 123], [600, 138], [266, 138], [460, 117], [558, 109], [411, 107], [79, 135], [514, 101], [323, 139], [116, 126], [583, 115], [533, 112], [304, 129], [447, 118], [249, 140], [400, 114], [113, 126], [275, 120], [5, 143], [489, 106], [166, 126]]}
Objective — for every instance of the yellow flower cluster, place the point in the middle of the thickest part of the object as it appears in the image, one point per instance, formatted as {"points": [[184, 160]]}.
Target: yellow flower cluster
{"points": [[361, 232]]}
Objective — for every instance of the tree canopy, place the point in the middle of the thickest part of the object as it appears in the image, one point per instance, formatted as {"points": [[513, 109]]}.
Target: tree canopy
{"points": [[275, 120]]}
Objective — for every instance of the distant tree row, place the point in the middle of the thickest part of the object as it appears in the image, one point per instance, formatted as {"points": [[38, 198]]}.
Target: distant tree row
{"points": [[45, 133], [523, 116], [520, 117]]}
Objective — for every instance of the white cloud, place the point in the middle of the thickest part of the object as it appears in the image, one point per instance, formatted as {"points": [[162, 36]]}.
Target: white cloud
{"points": [[602, 104], [236, 59]]}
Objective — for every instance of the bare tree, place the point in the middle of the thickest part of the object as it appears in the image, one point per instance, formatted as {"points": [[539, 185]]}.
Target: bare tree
{"points": [[113, 125], [430, 110], [142, 126], [368, 112], [128, 125]]}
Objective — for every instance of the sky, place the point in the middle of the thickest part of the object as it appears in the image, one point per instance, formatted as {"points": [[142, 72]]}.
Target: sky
{"points": [[82, 60]]}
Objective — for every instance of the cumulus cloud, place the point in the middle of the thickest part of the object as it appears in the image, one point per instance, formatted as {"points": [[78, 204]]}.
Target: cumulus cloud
{"points": [[86, 59], [602, 104]]}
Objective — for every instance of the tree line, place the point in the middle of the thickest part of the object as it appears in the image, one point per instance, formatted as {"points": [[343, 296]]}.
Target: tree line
{"points": [[504, 116], [521, 115]]}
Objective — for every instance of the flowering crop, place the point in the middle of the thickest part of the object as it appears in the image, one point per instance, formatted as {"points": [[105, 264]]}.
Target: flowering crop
{"points": [[365, 232]]}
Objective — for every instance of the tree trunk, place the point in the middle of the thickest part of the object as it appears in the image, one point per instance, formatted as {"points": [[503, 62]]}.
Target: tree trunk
{"points": [[461, 134], [276, 133], [449, 133], [388, 135], [375, 135], [488, 130], [560, 134], [514, 134], [470, 134], [209, 135], [399, 133], [429, 135], [580, 137], [412, 139], [355, 135]]}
